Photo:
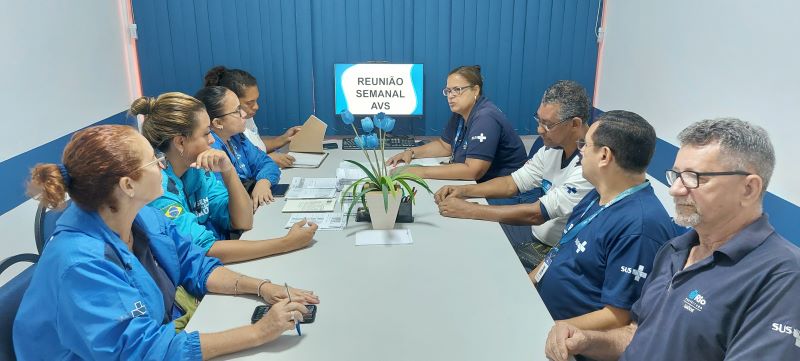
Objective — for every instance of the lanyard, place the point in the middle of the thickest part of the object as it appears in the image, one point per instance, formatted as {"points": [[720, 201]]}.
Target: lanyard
{"points": [[457, 140], [572, 230]]}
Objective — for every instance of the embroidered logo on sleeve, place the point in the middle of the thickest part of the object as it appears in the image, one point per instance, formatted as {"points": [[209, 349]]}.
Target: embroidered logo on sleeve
{"points": [[571, 190], [789, 330], [139, 309], [546, 185], [172, 211], [638, 273], [480, 137]]}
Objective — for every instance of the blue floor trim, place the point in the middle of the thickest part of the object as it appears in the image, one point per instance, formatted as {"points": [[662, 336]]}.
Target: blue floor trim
{"points": [[16, 170]]}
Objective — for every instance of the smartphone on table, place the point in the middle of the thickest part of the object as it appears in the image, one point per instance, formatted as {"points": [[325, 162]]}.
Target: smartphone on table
{"points": [[261, 310]]}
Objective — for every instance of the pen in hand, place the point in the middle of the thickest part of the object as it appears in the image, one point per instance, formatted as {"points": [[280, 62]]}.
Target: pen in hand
{"points": [[296, 322]]}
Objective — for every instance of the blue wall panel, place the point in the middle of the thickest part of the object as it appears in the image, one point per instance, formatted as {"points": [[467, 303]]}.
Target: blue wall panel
{"points": [[290, 47]]}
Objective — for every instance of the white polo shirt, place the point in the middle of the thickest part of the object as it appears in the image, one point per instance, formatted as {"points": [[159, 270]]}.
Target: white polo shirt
{"points": [[563, 185]]}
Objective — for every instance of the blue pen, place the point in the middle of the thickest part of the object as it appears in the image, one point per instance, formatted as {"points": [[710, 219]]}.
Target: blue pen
{"points": [[296, 323]]}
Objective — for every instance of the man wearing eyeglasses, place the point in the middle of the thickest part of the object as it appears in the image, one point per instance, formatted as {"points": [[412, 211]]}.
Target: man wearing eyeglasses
{"points": [[596, 271], [729, 288], [562, 120]]}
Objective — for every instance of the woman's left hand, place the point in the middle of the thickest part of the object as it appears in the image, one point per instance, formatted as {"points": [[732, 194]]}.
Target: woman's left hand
{"points": [[262, 194], [275, 293]]}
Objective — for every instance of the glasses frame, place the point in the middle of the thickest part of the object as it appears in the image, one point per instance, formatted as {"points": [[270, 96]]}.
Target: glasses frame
{"points": [[697, 176], [548, 128], [160, 159], [457, 90], [238, 110]]}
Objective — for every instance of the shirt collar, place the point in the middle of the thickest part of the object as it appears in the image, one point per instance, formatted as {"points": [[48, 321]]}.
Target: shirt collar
{"points": [[90, 223], [746, 240]]}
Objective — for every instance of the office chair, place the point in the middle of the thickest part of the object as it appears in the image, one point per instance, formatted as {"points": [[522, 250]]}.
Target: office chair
{"points": [[45, 223], [10, 297]]}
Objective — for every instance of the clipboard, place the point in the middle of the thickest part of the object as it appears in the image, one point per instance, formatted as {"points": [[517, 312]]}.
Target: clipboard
{"points": [[309, 139]]}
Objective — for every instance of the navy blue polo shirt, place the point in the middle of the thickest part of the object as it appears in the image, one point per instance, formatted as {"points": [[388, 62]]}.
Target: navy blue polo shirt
{"points": [[486, 136], [740, 303], [611, 257]]}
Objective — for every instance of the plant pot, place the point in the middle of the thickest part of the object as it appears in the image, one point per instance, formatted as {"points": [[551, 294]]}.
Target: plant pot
{"points": [[382, 218]]}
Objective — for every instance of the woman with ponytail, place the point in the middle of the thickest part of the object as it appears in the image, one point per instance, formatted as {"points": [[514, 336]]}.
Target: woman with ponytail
{"points": [[202, 206], [108, 277], [244, 85]]}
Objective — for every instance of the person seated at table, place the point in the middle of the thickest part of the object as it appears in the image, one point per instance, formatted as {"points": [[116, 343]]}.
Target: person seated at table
{"points": [[105, 287], [244, 85], [725, 290], [563, 119], [256, 170], [595, 273], [479, 140], [202, 206]]}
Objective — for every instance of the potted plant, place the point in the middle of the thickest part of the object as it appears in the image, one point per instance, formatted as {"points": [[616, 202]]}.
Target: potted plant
{"points": [[380, 191]]}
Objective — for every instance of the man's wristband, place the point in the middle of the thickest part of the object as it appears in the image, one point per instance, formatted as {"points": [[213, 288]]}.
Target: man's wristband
{"points": [[410, 150]]}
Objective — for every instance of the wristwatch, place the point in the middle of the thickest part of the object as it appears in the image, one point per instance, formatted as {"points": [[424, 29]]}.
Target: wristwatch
{"points": [[410, 150]]}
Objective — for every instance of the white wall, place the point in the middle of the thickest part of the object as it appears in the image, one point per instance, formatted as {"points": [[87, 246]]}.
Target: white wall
{"points": [[65, 65], [676, 62]]}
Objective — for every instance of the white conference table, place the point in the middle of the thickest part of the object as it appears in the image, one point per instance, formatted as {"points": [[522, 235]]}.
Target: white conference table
{"points": [[458, 292]]}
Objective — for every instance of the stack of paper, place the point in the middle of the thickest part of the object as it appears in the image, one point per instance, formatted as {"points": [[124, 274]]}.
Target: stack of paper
{"points": [[310, 193], [311, 188], [307, 160], [326, 221], [309, 205], [314, 183], [384, 237]]}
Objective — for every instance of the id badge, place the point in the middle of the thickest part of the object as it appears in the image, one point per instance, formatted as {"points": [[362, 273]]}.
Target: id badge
{"points": [[545, 264]]}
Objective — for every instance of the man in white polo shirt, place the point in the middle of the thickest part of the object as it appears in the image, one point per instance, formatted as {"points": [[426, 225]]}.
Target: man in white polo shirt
{"points": [[562, 120]]}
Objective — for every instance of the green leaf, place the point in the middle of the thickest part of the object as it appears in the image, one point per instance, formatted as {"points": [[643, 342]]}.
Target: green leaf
{"points": [[385, 190], [370, 175], [416, 179], [352, 187], [408, 189]]}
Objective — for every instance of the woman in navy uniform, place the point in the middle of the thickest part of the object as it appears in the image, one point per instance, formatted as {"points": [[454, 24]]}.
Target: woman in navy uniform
{"points": [[478, 139], [110, 272]]}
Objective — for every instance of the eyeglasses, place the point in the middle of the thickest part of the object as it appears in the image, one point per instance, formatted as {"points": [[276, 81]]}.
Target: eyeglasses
{"points": [[691, 179], [582, 143], [238, 111], [548, 127], [456, 90], [160, 159]]}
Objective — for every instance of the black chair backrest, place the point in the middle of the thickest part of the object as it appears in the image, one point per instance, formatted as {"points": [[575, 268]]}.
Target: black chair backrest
{"points": [[44, 224], [537, 144], [10, 297]]}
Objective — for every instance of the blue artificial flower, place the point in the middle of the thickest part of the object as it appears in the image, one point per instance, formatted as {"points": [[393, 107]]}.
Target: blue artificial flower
{"points": [[372, 141], [379, 118], [347, 117], [388, 124], [360, 141], [366, 125]]}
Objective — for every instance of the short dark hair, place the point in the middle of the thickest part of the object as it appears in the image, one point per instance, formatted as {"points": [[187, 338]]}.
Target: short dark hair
{"points": [[472, 74], [629, 136], [237, 80], [572, 98]]}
